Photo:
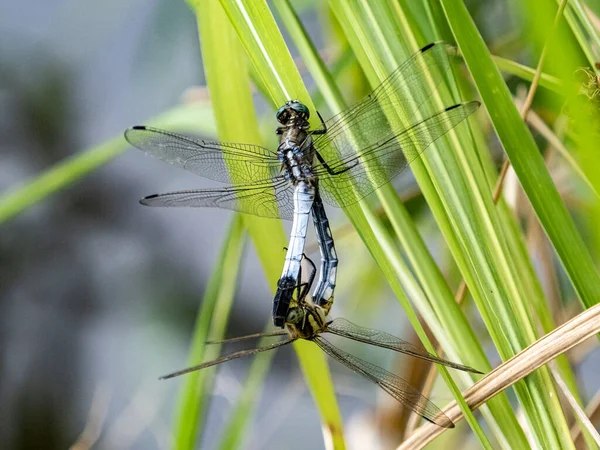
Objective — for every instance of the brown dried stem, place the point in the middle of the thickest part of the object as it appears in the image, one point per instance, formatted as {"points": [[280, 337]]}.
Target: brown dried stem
{"points": [[544, 350]]}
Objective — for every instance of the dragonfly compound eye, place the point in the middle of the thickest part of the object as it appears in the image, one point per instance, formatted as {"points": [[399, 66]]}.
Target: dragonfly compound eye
{"points": [[301, 109], [292, 109], [294, 316], [283, 114]]}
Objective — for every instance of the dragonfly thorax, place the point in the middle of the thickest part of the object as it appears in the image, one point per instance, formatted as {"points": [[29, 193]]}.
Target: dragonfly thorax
{"points": [[295, 150], [296, 154]]}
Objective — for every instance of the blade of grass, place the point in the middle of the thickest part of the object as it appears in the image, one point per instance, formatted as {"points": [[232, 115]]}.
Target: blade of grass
{"points": [[584, 421], [527, 74], [336, 103], [211, 321], [230, 91], [310, 55], [591, 410], [522, 260], [234, 114], [529, 166], [579, 11], [465, 209], [579, 27], [582, 111], [525, 157], [191, 118], [541, 308], [518, 247], [575, 331], [561, 37], [381, 45]]}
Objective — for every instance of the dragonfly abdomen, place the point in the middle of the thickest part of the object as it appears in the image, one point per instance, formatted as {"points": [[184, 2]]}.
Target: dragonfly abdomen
{"points": [[323, 294], [304, 194]]}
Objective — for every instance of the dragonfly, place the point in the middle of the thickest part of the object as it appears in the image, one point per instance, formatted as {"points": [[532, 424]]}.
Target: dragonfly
{"points": [[306, 320], [349, 157]]}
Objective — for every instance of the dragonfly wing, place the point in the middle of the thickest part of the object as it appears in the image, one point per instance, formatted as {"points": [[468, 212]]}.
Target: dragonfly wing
{"points": [[219, 161], [358, 164], [389, 382], [403, 89], [347, 329], [229, 357], [272, 199]]}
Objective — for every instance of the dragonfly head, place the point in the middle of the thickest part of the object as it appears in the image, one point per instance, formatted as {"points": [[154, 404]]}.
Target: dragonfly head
{"points": [[305, 320], [293, 112]]}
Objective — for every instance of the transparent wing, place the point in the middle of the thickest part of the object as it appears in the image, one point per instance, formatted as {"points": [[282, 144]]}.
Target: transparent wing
{"points": [[427, 67], [229, 357], [248, 336], [272, 199], [347, 179], [245, 163], [387, 129], [392, 384], [347, 329]]}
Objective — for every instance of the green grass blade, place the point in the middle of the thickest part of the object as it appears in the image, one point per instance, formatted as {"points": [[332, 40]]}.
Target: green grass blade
{"points": [[574, 15], [571, 50], [526, 73], [371, 31], [468, 220], [211, 322], [234, 114], [525, 157], [310, 55], [232, 434], [233, 107], [336, 103], [528, 164], [579, 11], [196, 118]]}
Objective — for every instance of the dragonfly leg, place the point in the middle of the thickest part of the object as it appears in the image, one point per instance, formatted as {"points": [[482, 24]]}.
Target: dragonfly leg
{"points": [[307, 285], [331, 171], [303, 287], [322, 130], [300, 286]]}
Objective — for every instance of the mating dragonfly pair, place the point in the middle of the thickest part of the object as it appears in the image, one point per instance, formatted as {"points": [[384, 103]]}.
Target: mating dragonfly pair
{"points": [[348, 158]]}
